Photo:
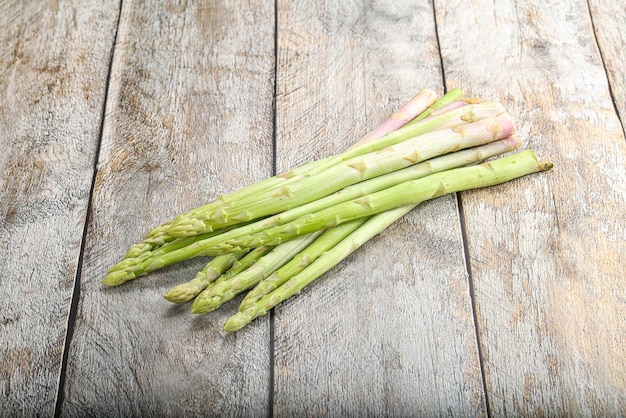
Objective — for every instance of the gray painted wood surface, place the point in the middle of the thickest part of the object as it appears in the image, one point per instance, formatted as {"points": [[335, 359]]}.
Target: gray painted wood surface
{"points": [[506, 301], [54, 60], [189, 116], [547, 253]]}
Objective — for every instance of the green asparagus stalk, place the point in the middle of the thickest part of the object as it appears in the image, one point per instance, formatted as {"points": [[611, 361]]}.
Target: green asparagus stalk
{"points": [[225, 289], [410, 112], [353, 170], [442, 163], [410, 192], [321, 265], [394, 158], [323, 243], [215, 268], [486, 174], [237, 267]]}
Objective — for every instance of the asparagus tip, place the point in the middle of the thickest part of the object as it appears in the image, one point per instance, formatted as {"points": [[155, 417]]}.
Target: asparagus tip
{"points": [[115, 278], [236, 322], [179, 294], [195, 309], [201, 306]]}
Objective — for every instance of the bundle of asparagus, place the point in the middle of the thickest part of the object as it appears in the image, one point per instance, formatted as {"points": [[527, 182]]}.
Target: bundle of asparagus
{"points": [[273, 238]]}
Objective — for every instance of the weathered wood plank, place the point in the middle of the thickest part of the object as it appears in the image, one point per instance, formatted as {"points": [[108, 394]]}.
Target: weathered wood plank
{"points": [[547, 252], [390, 331], [54, 58], [189, 117], [609, 21]]}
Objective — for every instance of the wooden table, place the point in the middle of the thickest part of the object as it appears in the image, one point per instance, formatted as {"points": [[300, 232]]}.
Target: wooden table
{"points": [[116, 116]]}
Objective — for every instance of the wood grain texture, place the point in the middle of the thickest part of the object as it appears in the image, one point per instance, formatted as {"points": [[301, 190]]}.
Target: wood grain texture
{"points": [[54, 58], [547, 252], [189, 116], [609, 22], [389, 332]]}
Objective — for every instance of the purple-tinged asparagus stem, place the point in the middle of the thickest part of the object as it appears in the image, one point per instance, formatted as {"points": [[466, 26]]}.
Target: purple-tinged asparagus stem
{"points": [[416, 106]]}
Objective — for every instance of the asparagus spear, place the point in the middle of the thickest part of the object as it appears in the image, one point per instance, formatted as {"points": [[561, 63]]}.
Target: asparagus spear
{"points": [[194, 247], [215, 268], [410, 112], [372, 165], [442, 105], [413, 111], [325, 262], [352, 170], [410, 192], [212, 214], [495, 172], [186, 293], [323, 243], [225, 288]]}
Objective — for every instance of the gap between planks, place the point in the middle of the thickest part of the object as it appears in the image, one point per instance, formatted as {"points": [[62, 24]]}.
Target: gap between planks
{"points": [[606, 72], [272, 354], [466, 255], [71, 317]]}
